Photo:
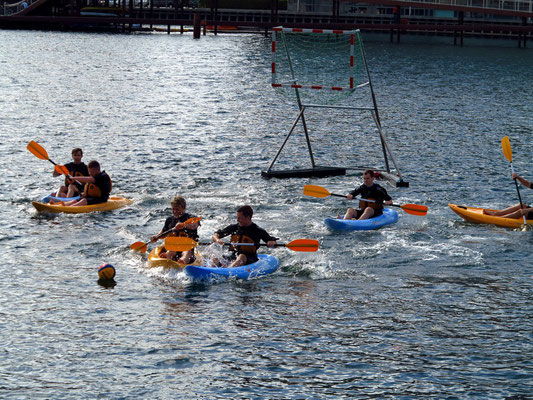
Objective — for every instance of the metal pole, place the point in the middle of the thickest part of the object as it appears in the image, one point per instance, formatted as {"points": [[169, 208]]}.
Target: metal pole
{"points": [[382, 136], [374, 102], [286, 138], [299, 102]]}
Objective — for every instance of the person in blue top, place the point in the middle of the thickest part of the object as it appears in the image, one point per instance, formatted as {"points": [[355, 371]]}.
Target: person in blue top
{"points": [[368, 191]]}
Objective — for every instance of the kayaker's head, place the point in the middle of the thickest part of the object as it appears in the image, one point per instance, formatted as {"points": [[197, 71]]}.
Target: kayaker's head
{"points": [[179, 205], [94, 168], [77, 154], [368, 177], [244, 215]]}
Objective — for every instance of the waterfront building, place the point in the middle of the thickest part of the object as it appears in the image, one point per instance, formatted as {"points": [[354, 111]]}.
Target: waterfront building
{"points": [[422, 9]]}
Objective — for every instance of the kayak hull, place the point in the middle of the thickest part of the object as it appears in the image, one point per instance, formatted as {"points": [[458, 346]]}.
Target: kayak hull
{"points": [[112, 204], [267, 264], [345, 225], [155, 261], [476, 215]]}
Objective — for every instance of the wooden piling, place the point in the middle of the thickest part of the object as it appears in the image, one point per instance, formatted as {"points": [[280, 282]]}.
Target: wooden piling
{"points": [[461, 22], [197, 25]]}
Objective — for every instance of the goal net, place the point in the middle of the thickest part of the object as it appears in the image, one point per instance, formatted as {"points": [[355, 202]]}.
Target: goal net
{"points": [[317, 66]]}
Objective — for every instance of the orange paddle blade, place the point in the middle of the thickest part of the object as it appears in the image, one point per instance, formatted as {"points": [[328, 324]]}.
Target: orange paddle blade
{"points": [[37, 150], [61, 169], [193, 220], [180, 243], [415, 209], [303, 245], [316, 191], [506, 147], [139, 246]]}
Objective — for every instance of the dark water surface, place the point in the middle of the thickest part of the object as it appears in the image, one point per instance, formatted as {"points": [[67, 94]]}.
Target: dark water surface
{"points": [[431, 307]]}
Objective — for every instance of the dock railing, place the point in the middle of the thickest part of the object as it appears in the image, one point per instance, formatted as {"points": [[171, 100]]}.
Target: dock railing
{"points": [[15, 8], [507, 5]]}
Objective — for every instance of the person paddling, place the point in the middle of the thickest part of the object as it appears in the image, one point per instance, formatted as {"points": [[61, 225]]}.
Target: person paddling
{"points": [[175, 223], [244, 231], [76, 168], [515, 211], [368, 191], [97, 186]]}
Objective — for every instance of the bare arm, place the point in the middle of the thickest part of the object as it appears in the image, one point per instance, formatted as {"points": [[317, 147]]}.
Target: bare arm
{"points": [[82, 179], [216, 238], [523, 181]]}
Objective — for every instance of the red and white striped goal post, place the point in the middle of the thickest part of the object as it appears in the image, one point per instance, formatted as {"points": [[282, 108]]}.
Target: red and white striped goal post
{"points": [[351, 33]]}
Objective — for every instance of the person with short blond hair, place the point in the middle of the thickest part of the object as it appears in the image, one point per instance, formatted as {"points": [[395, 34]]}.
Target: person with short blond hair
{"points": [[175, 222]]}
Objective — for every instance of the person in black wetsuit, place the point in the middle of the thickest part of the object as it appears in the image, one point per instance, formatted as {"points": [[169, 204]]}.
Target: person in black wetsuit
{"points": [[369, 191], [175, 221], [76, 168], [244, 231], [97, 186], [515, 211]]}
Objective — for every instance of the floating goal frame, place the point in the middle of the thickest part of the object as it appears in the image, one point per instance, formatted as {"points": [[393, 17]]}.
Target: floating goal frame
{"points": [[315, 170]]}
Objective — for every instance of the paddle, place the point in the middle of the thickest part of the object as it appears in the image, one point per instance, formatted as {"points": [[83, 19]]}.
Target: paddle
{"points": [[38, 151], [319, 191], [142, 246], [508, 153], [185, 243]]}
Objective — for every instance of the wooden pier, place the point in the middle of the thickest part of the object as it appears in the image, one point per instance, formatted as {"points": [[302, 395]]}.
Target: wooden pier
{"points": [[469, 18]]}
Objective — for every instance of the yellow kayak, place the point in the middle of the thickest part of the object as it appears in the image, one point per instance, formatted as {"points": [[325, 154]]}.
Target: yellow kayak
{"points": [[476, 215], [155, 261], [112, 203]]}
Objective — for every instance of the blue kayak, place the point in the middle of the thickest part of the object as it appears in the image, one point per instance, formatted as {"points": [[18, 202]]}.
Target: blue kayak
{"points": [[343, 225], [266, 265]]}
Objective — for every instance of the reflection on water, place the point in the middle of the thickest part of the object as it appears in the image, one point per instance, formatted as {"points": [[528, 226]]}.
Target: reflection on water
{"points": [[431, 306]]}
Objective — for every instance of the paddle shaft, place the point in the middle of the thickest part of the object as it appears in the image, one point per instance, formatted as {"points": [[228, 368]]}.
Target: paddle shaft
{"points": [[142, 246], [184, 244], [160, 235], [320, 192], [518, 191], [369, 200], [40, 152], [193, 220], [241, 244], [508, 153], [355, 198]]}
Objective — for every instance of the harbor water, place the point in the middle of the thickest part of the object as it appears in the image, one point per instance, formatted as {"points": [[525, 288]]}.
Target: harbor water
{"points": [[430, 307]]}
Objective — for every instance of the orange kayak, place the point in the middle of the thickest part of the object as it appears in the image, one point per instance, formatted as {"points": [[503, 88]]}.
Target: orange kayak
{"points": [[155, 261], [476, 215], [113, 203]]}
